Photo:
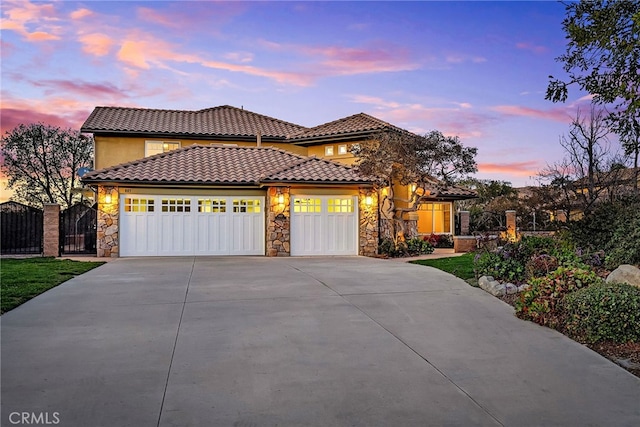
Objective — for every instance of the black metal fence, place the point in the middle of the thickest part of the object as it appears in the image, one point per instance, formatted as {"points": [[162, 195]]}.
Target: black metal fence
{"points": [[22, 229], [78, 230]]}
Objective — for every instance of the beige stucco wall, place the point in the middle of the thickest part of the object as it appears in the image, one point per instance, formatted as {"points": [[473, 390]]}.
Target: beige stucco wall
{"points": [[113, 150]]}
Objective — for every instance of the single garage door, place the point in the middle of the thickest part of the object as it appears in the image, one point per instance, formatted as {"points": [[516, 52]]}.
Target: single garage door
{"points": [[324, 225], [166, 225]]}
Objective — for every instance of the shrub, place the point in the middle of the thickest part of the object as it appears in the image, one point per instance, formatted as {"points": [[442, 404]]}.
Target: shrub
{"points": [[604, 312], [540, 303], [502, 265], [419, 245], [625, 243], [414, 246], [540, 265], [440, 240]]}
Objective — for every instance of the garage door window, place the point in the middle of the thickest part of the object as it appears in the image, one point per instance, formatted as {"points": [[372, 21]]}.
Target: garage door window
{"points": [[340, 205], [212, 205], [138, 205], [246, 205], [176, 205], [307, 206]]}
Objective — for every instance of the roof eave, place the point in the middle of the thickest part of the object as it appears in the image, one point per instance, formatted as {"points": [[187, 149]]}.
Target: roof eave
{"points": [[173, 135]]}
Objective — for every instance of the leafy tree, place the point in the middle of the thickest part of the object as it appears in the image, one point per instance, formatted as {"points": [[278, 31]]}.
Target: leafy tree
{"points": [[428, 162], [603, 59], [41, 162], [486, 212]]}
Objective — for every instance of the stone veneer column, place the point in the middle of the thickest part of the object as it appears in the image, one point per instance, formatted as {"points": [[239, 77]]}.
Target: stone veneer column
{"points": [[511, 225], [464, 223], [108, 228], [368, 230], [278, 222], [51, 230]]}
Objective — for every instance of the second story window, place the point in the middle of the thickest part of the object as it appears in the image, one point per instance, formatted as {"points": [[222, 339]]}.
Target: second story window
{"points": [[156, 147], [328, 150], [342, 149]]}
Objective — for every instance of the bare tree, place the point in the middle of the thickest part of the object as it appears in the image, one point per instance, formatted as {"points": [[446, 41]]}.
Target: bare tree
{"points": [[587, 173], [42, 161]]}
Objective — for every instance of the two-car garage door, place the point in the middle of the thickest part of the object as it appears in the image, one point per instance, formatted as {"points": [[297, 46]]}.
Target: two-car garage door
{"points": [[153, 225], [169, 225]]}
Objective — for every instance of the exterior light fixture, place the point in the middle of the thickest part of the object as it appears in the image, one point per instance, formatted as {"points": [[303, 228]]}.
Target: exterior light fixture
{"points": [[368, 200], [107, 199], [281, 198]]}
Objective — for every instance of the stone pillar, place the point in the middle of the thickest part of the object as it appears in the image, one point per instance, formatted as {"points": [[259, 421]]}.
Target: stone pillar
{"points": [[51, 230], [464, 223], [278, 221], [511, 225], [368, 221], [108, 230]]}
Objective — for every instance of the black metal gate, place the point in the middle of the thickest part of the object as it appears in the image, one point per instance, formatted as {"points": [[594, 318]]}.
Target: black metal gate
{"points": [[78, 230], [21, 228]]}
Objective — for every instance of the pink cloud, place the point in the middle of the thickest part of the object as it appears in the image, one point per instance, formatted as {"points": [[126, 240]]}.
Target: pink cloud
{"points": [[156, 17], [96, 44], [528, 168], [462, 120], [531, 47], [32, 21], [346, 60], [85, 89], [142, 52], [556, 114], [80, 13]]}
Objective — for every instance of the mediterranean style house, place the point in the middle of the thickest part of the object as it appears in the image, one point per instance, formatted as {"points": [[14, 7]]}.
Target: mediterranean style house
{"points": [[227, 181]]}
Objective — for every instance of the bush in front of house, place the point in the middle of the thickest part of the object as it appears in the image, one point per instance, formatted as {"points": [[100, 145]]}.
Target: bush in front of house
{"points": [[541, 302], [409, 247], [500, 264], [613, 228], [604, 312]]}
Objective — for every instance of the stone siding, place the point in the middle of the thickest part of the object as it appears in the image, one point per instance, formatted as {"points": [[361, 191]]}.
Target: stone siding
{"points": [[108, 237], [278, 222], [368, 232]]}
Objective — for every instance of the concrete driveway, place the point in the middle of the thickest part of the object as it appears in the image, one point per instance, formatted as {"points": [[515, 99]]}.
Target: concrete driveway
{"points": [[301, 341]]}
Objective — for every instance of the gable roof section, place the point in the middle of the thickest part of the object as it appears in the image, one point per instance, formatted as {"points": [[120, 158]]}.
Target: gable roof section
{"points": [[357, 125], [222, 121], [220, 165]]}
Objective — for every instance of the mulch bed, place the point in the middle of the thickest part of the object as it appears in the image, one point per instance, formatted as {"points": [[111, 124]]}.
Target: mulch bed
{"points": [[626, 355]]}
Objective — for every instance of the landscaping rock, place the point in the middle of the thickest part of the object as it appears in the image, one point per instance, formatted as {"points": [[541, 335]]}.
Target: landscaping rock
{"points": [[510, 288], [524, 287], [488, 284], [625, 274]]}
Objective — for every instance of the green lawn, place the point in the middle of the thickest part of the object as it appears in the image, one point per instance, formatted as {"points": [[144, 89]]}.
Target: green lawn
{"points": [[460, 266], [23, 279]]}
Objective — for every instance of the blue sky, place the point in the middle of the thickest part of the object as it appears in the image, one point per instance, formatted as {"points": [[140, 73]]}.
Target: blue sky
{"points": [[478, 70]]}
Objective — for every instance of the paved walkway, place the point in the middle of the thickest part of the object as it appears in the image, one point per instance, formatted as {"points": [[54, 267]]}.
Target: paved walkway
{"points": [[301, 341]]}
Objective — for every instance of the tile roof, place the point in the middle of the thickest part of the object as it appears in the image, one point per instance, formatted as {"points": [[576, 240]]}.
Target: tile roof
{"points": [[218, 121], [216, 164], [452, 192], [356, 124]]}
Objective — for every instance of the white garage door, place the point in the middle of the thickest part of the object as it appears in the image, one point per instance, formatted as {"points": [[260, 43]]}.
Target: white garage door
{"points": [[324, 225], [191, 225]]}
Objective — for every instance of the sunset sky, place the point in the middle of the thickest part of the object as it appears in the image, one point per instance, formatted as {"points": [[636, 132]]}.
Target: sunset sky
{"points": [[478, 70]]}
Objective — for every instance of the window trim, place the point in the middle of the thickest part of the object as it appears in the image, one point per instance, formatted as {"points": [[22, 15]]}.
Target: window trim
{"points": [[328, 150], [343, 150]]}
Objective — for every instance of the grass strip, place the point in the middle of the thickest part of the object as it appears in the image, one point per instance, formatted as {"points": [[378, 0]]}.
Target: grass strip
{"points": [[23, 279], [460, 266]]}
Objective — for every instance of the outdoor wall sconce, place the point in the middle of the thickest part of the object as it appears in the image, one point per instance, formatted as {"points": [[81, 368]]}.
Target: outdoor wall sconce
{"points": [[368, 200], [281, 199], [107, 199]]}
